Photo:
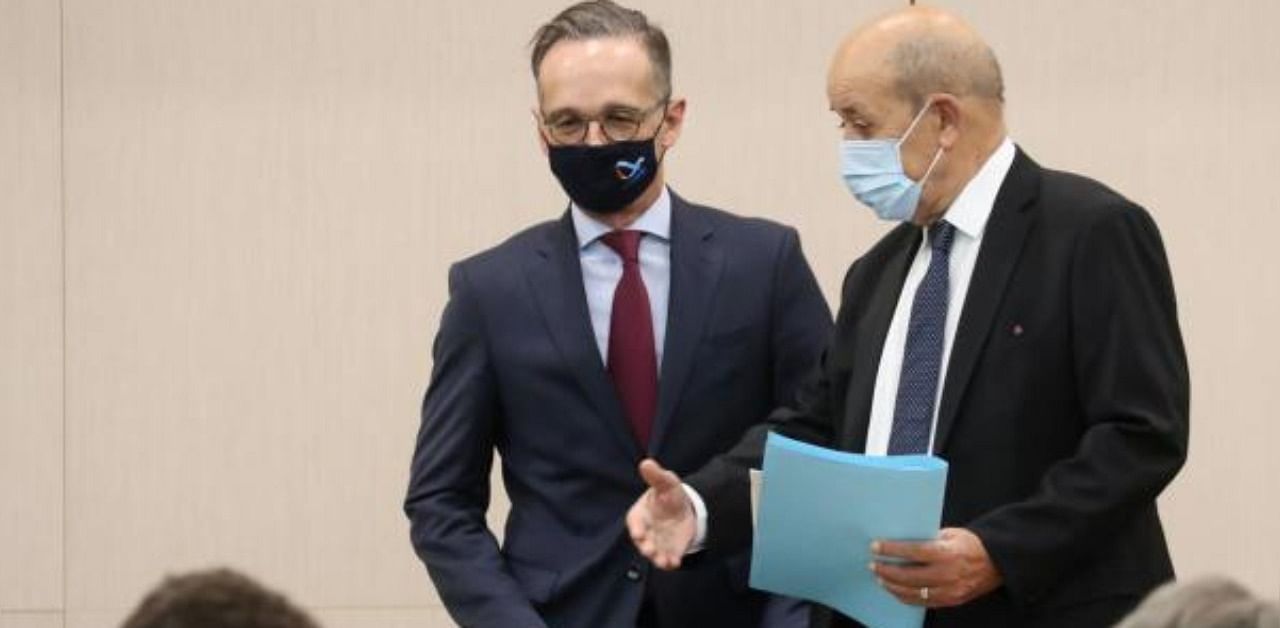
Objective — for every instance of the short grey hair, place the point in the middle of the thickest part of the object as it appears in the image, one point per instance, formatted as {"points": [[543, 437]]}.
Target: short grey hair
{"points": [[1212, 602], [929, 63], [598, 19]]}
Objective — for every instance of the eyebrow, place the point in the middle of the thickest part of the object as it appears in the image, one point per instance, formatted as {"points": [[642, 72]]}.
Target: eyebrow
{"points": [[849, 97], [612, 107], [855, 110]]}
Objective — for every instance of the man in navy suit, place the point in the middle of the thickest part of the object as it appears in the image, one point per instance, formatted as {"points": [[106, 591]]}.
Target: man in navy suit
{"points": [[637, 325]]}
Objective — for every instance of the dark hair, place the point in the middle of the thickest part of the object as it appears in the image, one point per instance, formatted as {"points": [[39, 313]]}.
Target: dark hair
{"points": [[218, 598], [596, 19]]}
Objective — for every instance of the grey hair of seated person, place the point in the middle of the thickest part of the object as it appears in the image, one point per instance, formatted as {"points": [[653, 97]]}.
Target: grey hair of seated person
{"points": [[1209, 602]]}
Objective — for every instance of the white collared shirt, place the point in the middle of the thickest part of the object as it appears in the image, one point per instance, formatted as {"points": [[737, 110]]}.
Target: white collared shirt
{"points": [[969, 214], [602, 269]]}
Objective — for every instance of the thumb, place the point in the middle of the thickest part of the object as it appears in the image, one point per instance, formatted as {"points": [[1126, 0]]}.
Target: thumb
{"points": [[658, 478]]}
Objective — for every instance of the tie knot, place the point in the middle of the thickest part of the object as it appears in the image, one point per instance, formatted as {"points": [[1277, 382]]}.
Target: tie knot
{"points": [[941, 235], [625, 243]]}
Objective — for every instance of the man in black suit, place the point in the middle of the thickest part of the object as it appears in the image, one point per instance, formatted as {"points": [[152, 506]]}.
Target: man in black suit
{"points": [[638, 324], [1022, 326]]}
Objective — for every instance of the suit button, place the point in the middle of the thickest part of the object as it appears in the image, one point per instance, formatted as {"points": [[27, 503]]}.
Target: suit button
{"points": [[633, 573]]}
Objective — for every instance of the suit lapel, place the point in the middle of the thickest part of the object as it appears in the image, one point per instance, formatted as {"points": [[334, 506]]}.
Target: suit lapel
{"points": [[1002, 244], [555, 277], [696, 262], [870, 333]]}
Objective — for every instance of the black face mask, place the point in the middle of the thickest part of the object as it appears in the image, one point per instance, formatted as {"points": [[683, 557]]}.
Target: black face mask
{"points": [[605, 179]]}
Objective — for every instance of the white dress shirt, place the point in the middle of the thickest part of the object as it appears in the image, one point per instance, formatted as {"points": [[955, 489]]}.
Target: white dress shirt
{"points": [[968, 214]]}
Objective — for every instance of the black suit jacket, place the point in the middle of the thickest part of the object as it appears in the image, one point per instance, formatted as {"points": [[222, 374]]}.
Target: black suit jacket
{"points": [[517, 369], [1064, 410]]}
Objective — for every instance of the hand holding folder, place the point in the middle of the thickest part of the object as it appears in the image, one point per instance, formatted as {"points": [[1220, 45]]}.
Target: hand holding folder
{"points": [[819, 512]]}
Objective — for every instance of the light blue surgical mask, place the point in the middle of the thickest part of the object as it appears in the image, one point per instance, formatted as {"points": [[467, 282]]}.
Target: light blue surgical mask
{"points": [[873, 171]]}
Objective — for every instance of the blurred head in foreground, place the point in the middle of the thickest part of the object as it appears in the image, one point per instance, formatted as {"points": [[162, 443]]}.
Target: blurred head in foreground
{"points": [[218, 598]]}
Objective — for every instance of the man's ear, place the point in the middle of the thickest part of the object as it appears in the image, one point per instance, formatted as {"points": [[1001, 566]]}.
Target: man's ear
{"points": [[950, 119], [672, 123], [537, 130]]}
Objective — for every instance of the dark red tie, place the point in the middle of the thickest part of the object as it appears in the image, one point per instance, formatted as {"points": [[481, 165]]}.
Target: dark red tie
{"points": [[633, 362]]}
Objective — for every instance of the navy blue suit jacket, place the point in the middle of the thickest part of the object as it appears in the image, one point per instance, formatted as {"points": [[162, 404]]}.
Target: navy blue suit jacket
{"points": [[517, 370]]}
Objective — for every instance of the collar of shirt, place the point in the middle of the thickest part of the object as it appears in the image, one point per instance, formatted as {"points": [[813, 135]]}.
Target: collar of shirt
{"points": [[971, 209], [655, 221]]}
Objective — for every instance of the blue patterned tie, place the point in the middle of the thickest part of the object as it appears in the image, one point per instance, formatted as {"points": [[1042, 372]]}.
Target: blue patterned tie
{"points": [[922, 358]]}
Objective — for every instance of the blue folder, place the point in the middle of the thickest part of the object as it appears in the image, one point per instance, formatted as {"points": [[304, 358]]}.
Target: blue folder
{"points": [[819, 510]]}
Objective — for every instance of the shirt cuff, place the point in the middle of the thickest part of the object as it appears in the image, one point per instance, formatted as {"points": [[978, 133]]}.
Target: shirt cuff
{"points": [[700, 517]]}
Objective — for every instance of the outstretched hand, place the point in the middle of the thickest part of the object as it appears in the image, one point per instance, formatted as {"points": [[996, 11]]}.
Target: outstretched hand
{"points": [[662, 523]]}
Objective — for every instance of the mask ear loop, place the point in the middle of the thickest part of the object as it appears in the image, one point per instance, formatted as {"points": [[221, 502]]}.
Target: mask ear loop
{"points": [[665, 105], [912, 127], [937, 155]]}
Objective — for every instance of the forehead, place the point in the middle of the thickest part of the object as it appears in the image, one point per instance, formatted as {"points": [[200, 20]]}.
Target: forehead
{"points": [[591, 73], [860, 78]]}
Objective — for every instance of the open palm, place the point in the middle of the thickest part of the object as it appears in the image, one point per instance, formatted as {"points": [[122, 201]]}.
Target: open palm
{"points": [[661, 522]]}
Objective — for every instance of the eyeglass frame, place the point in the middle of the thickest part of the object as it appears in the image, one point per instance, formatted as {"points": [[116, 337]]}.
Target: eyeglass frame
{"points": [[642, 116]]}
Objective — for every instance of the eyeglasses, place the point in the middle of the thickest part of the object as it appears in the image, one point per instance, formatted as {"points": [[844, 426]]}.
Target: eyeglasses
{"points": [[617, 124]]}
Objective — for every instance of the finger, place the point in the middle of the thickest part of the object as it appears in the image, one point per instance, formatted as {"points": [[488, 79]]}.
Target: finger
{"points": [[668, 562], [914, 551], [908, 595], [637, 526], [910, 576], [648, 549], [658, 478]]}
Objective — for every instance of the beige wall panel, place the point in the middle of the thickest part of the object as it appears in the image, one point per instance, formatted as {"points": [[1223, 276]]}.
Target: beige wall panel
{"points": [[384, 618], [96, 619], [31, 620], [262, 199], [30, 310]]}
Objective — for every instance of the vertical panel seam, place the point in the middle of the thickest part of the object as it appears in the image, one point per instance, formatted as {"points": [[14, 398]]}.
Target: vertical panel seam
{"points": [[62, 208]]}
